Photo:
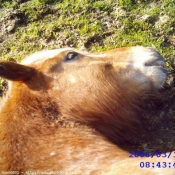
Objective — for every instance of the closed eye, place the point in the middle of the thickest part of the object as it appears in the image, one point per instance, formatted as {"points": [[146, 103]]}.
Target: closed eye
{"points": [[71, 56]]}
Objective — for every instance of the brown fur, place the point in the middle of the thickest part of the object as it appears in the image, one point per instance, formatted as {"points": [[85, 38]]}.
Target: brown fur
{"points": [[66, 116]]}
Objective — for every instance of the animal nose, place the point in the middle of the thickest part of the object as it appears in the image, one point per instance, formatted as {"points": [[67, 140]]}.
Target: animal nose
{"points": [[159, 63], [154, 58]]}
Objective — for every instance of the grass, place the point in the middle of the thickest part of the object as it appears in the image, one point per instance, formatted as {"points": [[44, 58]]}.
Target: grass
{"points": [[96, 25]]}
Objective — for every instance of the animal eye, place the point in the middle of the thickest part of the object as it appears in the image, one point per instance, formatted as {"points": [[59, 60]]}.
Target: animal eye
{"points": [[71, 56]]}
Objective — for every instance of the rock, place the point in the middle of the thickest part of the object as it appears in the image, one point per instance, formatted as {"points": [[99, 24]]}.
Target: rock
{"points": [[162, 20]]}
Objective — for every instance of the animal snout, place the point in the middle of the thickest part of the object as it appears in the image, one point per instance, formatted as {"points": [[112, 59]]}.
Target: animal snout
{"points": [[156, 61], [154, 58]]}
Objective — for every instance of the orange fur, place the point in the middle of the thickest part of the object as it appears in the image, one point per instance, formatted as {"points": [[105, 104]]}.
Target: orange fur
{"points": [[68, 116]]}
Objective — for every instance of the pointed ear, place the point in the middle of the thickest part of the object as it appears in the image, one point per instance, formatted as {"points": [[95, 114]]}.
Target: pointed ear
{"points": [[15, 72]]}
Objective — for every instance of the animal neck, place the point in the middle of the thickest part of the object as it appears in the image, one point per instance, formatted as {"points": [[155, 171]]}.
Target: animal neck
{"points": [[29, 140]]}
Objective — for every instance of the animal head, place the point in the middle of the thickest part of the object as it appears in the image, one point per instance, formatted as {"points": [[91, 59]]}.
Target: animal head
{"points": [[98, 90]]}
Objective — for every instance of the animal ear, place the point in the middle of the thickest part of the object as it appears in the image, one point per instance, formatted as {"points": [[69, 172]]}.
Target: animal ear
{"points": [[14, 71]]}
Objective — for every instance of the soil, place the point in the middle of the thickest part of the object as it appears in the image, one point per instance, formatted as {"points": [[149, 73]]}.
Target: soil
{"points": [[158, 109]]}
